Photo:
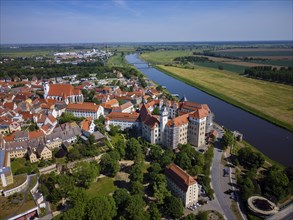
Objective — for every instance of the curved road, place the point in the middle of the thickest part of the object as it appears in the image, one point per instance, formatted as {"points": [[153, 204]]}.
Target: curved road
{"points": [[220, 183]]}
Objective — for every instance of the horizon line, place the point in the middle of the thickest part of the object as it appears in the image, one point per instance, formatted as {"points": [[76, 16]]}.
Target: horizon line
{"points": [[139, 42]]}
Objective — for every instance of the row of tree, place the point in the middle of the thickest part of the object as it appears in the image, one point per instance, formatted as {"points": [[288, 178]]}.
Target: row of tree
{"points": [[284, 75], [192, 59]]}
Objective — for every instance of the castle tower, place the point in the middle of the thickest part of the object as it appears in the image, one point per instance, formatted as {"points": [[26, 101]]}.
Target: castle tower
{"points": [[46, 89], [163, 122]]}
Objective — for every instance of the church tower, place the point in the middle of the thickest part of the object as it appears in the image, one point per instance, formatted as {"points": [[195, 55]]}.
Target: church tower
{"points": [[46, 89]]}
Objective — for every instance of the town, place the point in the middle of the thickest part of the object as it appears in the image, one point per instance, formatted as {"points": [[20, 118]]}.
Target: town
{"points": [[77, 134], [33, 112]]}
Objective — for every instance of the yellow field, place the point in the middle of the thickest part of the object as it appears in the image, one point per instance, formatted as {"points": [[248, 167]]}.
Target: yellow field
{"points": [[269, 100]]}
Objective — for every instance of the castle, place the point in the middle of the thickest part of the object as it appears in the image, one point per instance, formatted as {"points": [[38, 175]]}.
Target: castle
{"points": [[178, 123]]}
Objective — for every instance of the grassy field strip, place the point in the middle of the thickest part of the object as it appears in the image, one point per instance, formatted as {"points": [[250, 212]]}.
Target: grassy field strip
{"points": [[271, 101], [239, 62], [162, 57]]}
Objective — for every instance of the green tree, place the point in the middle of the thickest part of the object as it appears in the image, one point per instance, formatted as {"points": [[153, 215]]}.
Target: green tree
{"points": [[173, 207], [154, 170], [135, 209], [167, 157], [121, 146], [136, 173], [155, 153], [227, 139], [109, 165], [133, 149], [101, 207], [85, 173], [277, 183], [159, 188], [91, 139], [121, 197], [114, 130], [183, 161], [137, 188], [154, 212]]}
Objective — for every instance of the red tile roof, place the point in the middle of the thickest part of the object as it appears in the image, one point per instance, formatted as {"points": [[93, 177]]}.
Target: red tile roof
{"points": [[178, 176]]}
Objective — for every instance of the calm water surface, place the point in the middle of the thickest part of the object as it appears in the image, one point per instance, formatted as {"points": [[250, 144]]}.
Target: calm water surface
{"points": [[272, 140]]}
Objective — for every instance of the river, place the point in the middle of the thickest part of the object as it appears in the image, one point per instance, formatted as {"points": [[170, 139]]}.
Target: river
{"points": [[273, 141]]}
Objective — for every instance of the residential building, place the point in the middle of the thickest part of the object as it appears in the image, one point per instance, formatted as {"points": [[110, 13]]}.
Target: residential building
{"points": [[87, 126], [182, 185], [86, 109], [124, 120]]}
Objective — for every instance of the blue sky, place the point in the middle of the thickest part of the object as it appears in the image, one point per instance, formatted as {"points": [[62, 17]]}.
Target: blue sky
{"points": [[56, 21]]}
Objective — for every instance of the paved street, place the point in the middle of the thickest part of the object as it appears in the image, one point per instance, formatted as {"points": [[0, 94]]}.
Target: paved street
{"points": [[220, 183], [285, 214]]}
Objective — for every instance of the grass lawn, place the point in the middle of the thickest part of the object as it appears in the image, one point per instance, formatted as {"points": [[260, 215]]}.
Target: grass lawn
{"points": [[104, 186], [271, 101], [8, 209], [117, 60], [17, 163], [61, 160], [20, 163], [17, 181], [162, 57], [23, 53]]}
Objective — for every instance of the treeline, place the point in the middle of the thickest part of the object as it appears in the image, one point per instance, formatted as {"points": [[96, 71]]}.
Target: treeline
{"points": [[27, 68], [129, 72], [187, 59], [212, 54], [284, 75]]}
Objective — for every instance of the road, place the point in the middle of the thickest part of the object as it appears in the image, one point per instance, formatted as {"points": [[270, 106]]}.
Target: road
{"points": [[285, 214], [220, 183]]}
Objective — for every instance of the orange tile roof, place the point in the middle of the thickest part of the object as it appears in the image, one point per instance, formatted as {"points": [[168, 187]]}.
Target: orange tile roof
{"points": [[200, 113], [182, 179], [9, 138], [110, 104], [63, 90], [52, 118], [85, 124], [178, 121], [118, 116], [83, 107], [35, 134]]}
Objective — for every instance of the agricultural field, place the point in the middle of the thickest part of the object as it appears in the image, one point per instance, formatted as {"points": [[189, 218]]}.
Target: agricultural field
{"points": [[271, 101], [163, 57], [23, 53], [272, 56]]}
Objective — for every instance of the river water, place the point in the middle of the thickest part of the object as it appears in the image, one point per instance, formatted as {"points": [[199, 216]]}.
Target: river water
{"points": [[273, 141]]}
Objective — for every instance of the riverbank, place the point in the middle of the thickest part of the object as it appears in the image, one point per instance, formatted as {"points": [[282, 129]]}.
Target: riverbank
{"points": [[263, 99]]}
